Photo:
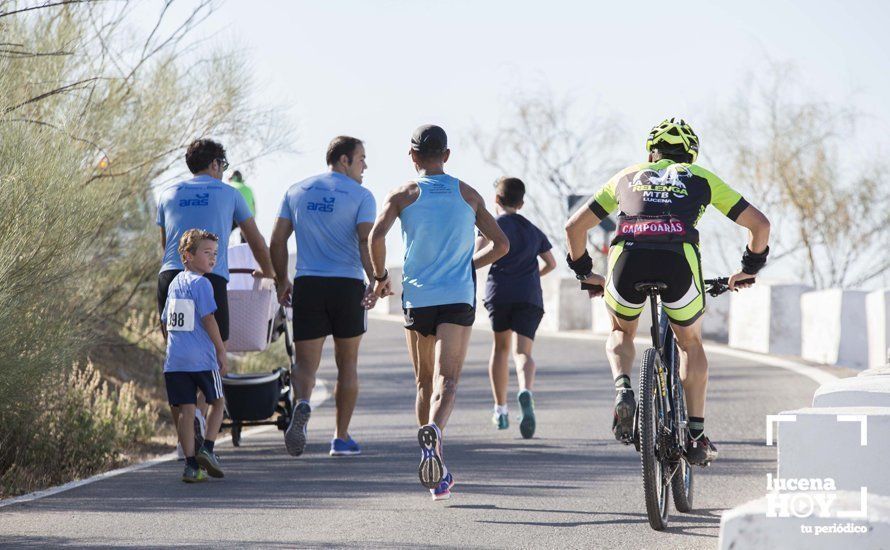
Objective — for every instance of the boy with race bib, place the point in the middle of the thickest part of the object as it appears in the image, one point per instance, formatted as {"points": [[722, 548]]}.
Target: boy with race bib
{"points": [[195, 352]]}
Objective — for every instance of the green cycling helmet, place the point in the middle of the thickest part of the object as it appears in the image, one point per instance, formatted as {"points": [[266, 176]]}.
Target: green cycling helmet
{"points": [[673, 135]]}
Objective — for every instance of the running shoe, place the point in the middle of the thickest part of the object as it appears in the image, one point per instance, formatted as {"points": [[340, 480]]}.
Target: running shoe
{"points": [[622, 421], [701, 451], [193, 475], [500, 421], [443, 490], [431, 468], [527, 418], [344, 448], [210, 462], [296, 434]]}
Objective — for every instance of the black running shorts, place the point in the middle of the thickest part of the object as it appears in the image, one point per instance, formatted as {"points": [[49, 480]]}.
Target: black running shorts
{"points": [[182, 387], [328, 306], [677, 265], [425, 320], [220, 296], [520, 317]]}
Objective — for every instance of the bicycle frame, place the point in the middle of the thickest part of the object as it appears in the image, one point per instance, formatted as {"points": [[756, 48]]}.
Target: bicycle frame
{"points": [[667, 375]]}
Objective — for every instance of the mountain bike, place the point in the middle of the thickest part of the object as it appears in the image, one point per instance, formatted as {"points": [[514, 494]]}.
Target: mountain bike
{"points": [[661, 419]]}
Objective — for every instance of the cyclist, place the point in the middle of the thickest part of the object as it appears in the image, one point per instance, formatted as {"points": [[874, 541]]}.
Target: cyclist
{"points": [[661, 202]]}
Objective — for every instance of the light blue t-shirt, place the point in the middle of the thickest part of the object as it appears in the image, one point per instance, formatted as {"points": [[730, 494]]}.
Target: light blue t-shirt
{"points": [[324, 211], [189, 350], [439, 239], [205, 203]]}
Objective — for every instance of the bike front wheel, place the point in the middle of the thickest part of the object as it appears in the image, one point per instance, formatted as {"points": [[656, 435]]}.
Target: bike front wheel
{"points": [[656, 477]]}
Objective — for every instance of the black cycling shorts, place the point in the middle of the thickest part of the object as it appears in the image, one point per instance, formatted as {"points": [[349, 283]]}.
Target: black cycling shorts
{"points": [[425, 320], [520, 317], [182, 387], [220, 296], [677, 265], [325, 306]]}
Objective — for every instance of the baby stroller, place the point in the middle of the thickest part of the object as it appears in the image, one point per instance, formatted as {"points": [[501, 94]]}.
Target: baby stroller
{"points": [[256, 320]]}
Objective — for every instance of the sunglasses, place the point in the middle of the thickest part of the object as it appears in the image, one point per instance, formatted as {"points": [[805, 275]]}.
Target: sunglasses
{"points": [[224, 163]]}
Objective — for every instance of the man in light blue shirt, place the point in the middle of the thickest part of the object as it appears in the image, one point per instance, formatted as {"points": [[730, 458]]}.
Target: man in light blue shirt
{"points": [[205, 202], [331, 215]]}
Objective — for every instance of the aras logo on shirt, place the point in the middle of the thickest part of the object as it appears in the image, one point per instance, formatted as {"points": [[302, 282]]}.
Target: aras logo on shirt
{"points": [[201, 199], [327, 205]]}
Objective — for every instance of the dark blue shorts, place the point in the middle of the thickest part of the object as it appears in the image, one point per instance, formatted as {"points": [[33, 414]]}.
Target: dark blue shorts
{"points": [[520, 317], [182, 387]]}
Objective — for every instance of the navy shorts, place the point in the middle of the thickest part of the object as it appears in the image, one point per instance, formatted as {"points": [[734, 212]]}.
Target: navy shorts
{"points": [[182, 387], [426, 320], [520, 317]]}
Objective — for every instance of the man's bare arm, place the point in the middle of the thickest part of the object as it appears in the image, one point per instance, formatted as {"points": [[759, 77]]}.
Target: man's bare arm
{"points": [[257, 245], [364, 232], [279, 256], [488, 226], [577, 228]]}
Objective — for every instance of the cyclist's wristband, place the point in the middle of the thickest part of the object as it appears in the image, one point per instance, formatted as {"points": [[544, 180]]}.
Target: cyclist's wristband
{"points": [[753, 262], [581, 266]]}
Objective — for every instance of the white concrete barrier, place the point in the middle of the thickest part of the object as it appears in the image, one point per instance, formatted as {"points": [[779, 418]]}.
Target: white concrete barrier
{"points": [[755, 525], [848, 445], [567, 306], [715, 322], [857, 391], [833, 331], [766, 318], [877, 314]]}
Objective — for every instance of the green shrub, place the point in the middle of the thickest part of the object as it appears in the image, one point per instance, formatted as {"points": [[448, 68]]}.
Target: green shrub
{"points": [[76, 427]]}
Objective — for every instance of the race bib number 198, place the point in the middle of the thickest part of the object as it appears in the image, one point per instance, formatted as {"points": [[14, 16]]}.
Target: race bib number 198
{"points": [[181, 315]]}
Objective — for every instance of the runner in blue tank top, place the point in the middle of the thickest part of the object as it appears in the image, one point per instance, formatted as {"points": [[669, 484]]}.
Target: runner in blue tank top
{"points": [[438, 213]]}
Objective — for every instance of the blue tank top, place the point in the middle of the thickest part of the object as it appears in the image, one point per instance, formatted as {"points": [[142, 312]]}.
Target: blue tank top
{"points": [[438, 233]]}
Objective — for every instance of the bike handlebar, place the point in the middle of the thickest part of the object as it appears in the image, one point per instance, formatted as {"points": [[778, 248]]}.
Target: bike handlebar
{"points": [[716, 287]]}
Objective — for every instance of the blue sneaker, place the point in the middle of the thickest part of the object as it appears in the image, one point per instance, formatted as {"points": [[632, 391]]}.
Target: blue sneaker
{"points": [[431, 468], [500, 421], [296, 434], [344, 448], [443, 491], [527, 418]]}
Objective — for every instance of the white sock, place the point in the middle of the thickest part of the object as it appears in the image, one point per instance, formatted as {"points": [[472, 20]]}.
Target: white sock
{"points": [[501, 409]]}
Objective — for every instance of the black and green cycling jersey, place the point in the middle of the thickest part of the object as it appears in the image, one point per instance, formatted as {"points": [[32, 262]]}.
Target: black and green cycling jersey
{"points": [[663, 201]]}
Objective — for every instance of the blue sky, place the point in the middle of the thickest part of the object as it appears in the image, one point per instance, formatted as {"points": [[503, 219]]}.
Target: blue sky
{"points": [[378, 69]]}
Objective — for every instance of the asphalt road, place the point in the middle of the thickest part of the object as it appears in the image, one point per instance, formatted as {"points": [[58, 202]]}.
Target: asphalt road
{"points": [[572, 486]]}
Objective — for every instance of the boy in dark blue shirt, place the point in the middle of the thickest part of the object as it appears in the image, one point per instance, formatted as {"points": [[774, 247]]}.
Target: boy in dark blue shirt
{"points": [[195, 352], [515, 303]]}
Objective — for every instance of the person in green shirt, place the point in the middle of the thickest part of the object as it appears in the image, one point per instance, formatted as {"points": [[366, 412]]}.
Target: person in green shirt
{"points": [[237, 181]]}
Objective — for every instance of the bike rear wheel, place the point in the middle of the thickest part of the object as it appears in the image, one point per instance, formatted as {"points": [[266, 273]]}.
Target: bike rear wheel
{"points": [[681, 486], [656, 483]]}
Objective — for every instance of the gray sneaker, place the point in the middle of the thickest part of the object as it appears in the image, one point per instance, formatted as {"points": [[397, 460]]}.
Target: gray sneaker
{"points": [[210, 462], [296, 434]]}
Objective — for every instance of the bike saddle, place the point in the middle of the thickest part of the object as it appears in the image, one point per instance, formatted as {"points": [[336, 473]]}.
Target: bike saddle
{"points": [[648, 286]]}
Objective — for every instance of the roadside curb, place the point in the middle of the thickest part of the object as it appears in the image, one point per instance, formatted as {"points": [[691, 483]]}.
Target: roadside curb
{"points": [[320, 395]]}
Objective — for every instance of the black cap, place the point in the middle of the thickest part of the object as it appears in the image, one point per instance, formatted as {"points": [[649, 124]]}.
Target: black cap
{"points": [[429, 138]]}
